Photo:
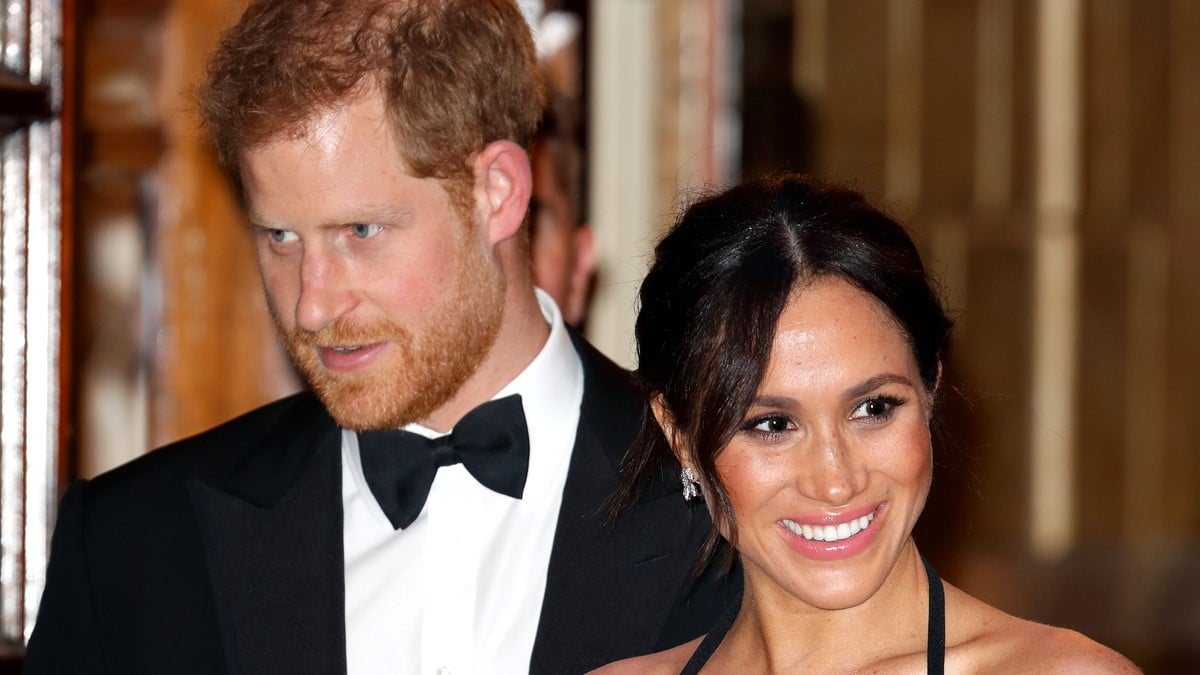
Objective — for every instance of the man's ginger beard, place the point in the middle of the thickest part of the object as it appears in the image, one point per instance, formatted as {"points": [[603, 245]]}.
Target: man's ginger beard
{"points": [[424, 365]]}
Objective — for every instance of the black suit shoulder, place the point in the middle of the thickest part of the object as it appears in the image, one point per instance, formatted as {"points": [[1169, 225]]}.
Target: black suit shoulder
{"points": [[127, 585], [265, 436], [219, 450]]}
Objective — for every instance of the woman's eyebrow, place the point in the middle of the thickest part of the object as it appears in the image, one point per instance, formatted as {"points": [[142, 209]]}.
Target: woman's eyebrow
{"points": [[875, 383], [771, 401]]}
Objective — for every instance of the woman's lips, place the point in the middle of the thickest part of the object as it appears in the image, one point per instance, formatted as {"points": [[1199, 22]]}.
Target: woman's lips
{"points": [[833, 536], [831, 533]]}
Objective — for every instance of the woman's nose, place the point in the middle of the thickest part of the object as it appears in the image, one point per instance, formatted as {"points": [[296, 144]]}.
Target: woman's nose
{"points": [[830, 472]]}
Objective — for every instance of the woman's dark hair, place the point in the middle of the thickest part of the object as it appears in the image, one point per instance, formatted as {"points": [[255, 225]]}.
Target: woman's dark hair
{"points": [[712, 298]]}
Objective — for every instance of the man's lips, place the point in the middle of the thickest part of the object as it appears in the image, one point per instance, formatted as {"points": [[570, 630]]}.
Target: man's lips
{"points": [[347, 358]]}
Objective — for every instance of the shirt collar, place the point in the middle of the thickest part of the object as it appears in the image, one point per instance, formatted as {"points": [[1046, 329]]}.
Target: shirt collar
{"points": [[551, 389], [553, 378]]}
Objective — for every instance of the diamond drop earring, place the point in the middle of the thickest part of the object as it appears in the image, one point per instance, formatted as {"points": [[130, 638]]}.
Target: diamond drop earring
{"points": [[691, 488]]}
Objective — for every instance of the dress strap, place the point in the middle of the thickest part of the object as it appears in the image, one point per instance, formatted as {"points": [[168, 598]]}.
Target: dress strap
{"points": [[713, 640], [935, 645]]}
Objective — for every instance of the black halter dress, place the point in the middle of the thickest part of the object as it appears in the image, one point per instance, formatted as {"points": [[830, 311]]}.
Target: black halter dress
{"points": [[935, 642]]}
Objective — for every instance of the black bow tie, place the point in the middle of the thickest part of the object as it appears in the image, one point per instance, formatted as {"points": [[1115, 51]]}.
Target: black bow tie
{"points": [[491, 441]]}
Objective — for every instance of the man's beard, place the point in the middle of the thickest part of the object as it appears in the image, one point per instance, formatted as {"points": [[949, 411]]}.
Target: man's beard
{"points": [[421, 370]]}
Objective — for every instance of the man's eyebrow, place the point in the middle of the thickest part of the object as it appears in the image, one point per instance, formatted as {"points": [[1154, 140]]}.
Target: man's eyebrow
{"points": [[375, 213], [370, 213], [257, 220]]}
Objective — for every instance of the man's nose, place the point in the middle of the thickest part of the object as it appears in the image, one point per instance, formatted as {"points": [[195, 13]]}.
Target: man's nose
{"points": [[325, 292]]}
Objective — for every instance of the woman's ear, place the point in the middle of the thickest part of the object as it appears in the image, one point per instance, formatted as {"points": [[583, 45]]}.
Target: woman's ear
{"points": [[666, 422], [933, 392]]}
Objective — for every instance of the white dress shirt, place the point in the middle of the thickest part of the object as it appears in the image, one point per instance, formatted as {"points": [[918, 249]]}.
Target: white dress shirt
{"points": [[460, 590]]}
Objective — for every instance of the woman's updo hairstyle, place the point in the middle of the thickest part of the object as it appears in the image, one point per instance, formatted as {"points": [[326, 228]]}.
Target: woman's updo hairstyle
{"points": [[710, 303]]}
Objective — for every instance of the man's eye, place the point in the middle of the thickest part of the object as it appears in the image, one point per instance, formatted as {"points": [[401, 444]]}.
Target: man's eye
{"points": [[281, 236], [365, 230]]}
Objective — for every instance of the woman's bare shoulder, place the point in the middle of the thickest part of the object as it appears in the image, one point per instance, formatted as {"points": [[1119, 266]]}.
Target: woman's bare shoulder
{"points": [[985, 639], [668, 662], [1031, 647]]}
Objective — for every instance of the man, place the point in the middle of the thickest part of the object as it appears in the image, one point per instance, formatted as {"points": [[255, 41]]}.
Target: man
{"points": [[379, 149]]}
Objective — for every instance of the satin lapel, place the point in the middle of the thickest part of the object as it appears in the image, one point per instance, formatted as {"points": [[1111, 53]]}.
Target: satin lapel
{"points": [[609, 588], [272, 534]]}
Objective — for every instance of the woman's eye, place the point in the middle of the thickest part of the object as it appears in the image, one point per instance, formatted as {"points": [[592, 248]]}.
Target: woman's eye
{"points": [[365, 230], [770, 424], [877, 408]]}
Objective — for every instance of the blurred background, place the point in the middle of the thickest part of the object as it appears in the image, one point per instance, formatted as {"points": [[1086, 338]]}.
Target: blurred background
{"points": [[1044, 153]]}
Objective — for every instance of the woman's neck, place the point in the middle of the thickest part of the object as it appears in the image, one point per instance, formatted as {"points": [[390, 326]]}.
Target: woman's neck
{"points": [[777, 632]]}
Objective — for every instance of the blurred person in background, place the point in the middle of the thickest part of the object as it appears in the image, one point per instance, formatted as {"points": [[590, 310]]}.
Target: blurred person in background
{"points": [[564, 258]]}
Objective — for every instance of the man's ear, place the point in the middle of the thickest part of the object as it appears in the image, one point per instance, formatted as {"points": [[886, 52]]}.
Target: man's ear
{"points": [[503, 183]]}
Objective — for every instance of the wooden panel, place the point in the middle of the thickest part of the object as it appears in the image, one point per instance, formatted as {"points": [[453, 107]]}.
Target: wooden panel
{"points": [[852, 122], [120, 145], [994, 95], [1107, 116], [1151, 72], [1023, 110], [107, 306], [1182, 498], [217, 355], [1183, 153], [948, 124], [1100, 386], [1183, 235], [120, 73], [1147, 364], [990, 360]]}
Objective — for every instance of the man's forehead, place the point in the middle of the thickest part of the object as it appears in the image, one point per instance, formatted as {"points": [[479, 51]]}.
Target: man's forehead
{"points": [[327, 122], [360, 128]]}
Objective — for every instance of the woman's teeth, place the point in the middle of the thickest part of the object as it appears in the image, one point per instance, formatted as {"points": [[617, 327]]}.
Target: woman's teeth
{"points": [[829, 532]]}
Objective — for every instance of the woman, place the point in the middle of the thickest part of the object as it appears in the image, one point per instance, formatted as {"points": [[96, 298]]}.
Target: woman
{"points": [[791, 349]]}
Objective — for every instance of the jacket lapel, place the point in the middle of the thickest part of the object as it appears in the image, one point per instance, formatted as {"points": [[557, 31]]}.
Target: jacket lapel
{"points": [[272, 533], [597, 567]]}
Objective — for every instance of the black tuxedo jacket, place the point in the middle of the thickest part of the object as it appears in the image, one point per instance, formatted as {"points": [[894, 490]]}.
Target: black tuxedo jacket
{"points": [[222, 553]]}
